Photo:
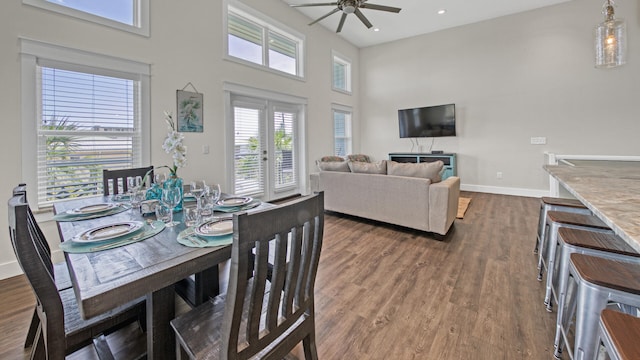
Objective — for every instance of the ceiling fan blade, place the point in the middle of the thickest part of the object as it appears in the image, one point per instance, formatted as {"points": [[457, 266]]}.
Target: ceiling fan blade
{"points": [[324, 16], [342, 19], [380, 7], [314, 4], [363, 18]]}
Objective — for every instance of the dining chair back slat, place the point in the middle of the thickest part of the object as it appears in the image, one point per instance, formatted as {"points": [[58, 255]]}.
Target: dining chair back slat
{"points": [[115, 181], [269, 305], [61, 330]]}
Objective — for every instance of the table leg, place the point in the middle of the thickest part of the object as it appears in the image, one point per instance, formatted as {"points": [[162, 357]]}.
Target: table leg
{"points": [[207, 284], [161, 341]]}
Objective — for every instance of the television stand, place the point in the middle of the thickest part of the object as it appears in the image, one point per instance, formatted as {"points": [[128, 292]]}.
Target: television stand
{"points": [[449, 160]]}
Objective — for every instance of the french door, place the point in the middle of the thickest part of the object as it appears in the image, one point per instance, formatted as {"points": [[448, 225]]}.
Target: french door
{"points": [[265, 147]]}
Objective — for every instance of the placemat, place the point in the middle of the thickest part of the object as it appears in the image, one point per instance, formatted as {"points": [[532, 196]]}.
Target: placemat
{"points": [[148, 231], [188, 237], [78, 217]]}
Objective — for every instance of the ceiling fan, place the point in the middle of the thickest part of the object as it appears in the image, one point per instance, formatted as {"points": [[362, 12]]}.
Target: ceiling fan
{"points": [[350, 7]]}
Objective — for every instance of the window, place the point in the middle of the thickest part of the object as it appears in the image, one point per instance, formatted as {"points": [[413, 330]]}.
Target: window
{"points": [[128, 15], [255, 39], [341, 73], [341, 130], [83, 119]]}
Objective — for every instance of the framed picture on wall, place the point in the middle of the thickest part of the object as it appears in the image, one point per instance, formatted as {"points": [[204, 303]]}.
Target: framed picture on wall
{"points": [[189, 108]]}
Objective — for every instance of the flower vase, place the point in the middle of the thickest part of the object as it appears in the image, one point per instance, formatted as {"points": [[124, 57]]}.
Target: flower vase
{"points": [[154, 193], [174, 181]]}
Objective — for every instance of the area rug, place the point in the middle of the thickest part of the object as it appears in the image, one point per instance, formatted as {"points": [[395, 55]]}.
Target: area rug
{"points": [[463, 205]]}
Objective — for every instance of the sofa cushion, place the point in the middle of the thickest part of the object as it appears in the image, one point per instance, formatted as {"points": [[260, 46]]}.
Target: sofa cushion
{"points": [[341, 166], [359, 158], [331, 158], [429, 170], [379, 167]]}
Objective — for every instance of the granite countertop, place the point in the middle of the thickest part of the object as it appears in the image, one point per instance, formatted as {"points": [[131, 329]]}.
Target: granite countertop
{"points": [[611, 189]]}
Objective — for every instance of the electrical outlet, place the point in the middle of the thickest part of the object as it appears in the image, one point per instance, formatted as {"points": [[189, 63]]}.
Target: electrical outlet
{"points": [[499, 175], [539, 140]]}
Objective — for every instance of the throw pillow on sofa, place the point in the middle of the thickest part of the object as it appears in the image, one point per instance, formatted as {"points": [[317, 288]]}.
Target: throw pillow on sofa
{"points": [[379, 167], [359, 158], [429, 170], [331, 158], [341, 166]]}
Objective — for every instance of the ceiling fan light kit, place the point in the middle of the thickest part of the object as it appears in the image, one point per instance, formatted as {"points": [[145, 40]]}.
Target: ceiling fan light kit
{"points": [[350, 7]]}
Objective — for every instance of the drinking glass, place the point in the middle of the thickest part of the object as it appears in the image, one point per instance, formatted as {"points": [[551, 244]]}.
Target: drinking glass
{"points": [[197, 190], [190, 216], [134, 185], [171, 198], [163, 213]]}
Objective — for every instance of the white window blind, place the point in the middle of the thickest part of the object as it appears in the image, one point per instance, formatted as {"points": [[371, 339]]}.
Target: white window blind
{"points": [[248, 146], [284, 122], [341, 132], [341, 73], [87, 122]]}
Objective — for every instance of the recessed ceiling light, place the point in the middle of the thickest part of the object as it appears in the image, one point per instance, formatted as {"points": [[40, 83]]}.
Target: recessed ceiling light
{"points": [[442, 11], [376, 29]]}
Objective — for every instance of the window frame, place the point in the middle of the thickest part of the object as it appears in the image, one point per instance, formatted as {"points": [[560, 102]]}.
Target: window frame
{"points": [[336, 108], [140, 15], [35, 54], [343, 60], [268, 25]]}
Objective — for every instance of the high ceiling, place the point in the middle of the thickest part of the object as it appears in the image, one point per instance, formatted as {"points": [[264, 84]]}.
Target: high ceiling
{"points": [[417, 16]]}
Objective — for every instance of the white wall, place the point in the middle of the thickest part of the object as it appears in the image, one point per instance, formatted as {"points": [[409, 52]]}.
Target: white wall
{"points": [[185, 45], [511, 78]]}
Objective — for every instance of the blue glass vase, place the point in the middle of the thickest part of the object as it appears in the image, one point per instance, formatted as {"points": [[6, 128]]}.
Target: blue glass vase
{"points": [[154, 192], [174, 181]]}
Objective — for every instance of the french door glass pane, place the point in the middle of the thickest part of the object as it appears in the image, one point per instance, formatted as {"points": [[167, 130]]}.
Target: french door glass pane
{"points": [[247, 151], [284, 140]]}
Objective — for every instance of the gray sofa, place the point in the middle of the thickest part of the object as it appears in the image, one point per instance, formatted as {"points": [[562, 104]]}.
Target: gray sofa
{"points": [[414, 202]]}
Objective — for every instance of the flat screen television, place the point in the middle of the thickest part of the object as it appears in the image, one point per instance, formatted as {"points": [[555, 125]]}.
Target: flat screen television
{"points": [[430, 121]]}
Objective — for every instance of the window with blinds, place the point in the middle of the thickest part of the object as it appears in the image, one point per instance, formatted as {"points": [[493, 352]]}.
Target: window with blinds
{"points": [[341, 73], [248, 164], [341, 131], [87, 122], [257, 39]]}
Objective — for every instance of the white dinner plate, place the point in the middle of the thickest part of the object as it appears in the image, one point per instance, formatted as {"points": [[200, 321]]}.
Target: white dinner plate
{"points": [[215, 228], [108, 232], [92, 209], [234, 201]]}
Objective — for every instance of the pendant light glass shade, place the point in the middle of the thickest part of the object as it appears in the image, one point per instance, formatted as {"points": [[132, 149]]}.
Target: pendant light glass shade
{"points": [[611, 40]]}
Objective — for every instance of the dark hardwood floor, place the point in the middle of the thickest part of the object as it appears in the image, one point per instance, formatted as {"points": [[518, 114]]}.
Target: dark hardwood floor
{"points": [[385, 292]]}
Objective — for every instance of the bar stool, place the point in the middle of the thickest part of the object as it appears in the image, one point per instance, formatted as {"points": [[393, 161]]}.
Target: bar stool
{"points": [[599, 281], [620, 333], [555, 204], [608, 246], [557, 220]]}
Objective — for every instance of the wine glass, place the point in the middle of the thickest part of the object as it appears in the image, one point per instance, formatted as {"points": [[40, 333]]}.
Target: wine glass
{"points": [[171, 198], [197, 189], [211, 196]]}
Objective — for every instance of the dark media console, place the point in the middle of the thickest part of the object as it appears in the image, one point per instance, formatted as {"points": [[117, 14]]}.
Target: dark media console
{"points": [[449, 160]]}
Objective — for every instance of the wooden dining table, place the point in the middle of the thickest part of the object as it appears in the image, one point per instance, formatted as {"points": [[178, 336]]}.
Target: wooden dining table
{"points": [[150, 268]]}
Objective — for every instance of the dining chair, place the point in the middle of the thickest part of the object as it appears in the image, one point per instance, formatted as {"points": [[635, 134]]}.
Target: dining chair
{"points": [[118, 178], [258, 317], [61, 329], [60, 271]]}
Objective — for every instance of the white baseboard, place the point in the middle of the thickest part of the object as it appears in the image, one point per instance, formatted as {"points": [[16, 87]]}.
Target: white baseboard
{"points": [[10, 269], [504, 190]]}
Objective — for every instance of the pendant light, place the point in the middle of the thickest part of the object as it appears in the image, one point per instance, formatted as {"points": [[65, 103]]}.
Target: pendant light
{"points": [[611, 39]]}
